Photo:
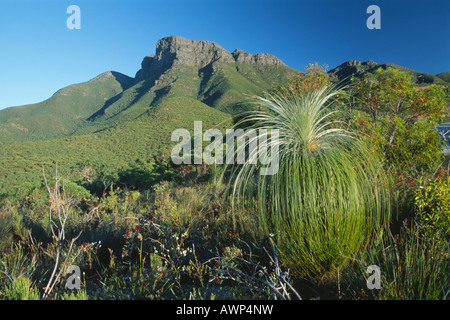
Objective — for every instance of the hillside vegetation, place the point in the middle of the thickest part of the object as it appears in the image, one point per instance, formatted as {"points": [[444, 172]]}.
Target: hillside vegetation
{"points": [[110, 150], [87, 181]]}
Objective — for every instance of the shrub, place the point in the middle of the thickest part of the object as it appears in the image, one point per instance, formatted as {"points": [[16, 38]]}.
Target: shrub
{"points": [[12, 227], [327, 196], [22, 289], [314, 78], [432, 200], [75, 295], [398, 120]]}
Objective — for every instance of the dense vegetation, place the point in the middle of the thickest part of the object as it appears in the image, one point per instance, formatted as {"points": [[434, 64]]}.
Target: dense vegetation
{"points": [[106, 152], [362, 182]]}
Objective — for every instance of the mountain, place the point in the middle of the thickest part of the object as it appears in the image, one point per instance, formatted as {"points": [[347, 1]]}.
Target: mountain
{"points": [[63, 113], [445, 76], [201, 70], [114, 120], [357, 68]]}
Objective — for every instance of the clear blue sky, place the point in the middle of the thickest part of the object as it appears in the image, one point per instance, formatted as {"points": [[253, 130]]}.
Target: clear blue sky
{"points": [[39, 54]]}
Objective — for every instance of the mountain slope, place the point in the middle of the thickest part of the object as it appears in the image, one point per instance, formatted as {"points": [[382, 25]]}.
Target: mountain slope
{"points": [[344, 71], [205, 71], [445, 76], [113, 120], [63, 113], [109, 150]]}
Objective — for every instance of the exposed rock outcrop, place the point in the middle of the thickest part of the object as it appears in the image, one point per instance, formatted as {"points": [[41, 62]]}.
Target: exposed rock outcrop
{"points": [[175, 50], [262, 59]]}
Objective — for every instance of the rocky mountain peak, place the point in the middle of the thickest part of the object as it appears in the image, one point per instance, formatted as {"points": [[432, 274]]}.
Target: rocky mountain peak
{"points": [[262, 59], [196, 53], [355, 63], [176, 50]]}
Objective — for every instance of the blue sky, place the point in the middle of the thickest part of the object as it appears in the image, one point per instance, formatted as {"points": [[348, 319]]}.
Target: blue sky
{"points": [[39, 54]]}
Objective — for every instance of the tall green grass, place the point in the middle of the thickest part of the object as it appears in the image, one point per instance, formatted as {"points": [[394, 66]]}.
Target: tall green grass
{"points": [[412, 267], [327, 196]]}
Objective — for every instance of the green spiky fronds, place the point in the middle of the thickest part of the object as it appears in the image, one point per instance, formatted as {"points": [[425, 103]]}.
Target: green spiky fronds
{"points": [[327, 196]]}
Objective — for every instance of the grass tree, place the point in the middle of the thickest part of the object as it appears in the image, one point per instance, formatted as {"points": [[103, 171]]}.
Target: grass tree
{"points": [[326, 198]]}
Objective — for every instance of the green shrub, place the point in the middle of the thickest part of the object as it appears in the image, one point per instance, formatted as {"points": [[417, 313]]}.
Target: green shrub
{"points": [[6, 227], [326, 197], [22, 289], [398, 120], [12, 227], [75, 295], [432, 200], [315, 77]]}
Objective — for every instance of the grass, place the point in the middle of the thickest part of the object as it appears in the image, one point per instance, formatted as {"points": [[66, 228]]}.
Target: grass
{"points": [[412, 268]]}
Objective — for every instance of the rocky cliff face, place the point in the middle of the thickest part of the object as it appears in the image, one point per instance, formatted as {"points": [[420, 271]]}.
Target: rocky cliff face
{"points": [[175, 50], [261, 59]]}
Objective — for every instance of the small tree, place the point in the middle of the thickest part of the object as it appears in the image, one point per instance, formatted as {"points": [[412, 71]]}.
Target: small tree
{"points": [[399, 119], [390, 92], [315, 77]]}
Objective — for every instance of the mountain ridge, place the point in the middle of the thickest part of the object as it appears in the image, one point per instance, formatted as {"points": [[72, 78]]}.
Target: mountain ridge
{"points": [[199, 69], [358, 68]]}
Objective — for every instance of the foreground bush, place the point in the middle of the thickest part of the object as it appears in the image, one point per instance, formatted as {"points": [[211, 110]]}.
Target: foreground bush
{"points": [[327, 196], [22, 289]]}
